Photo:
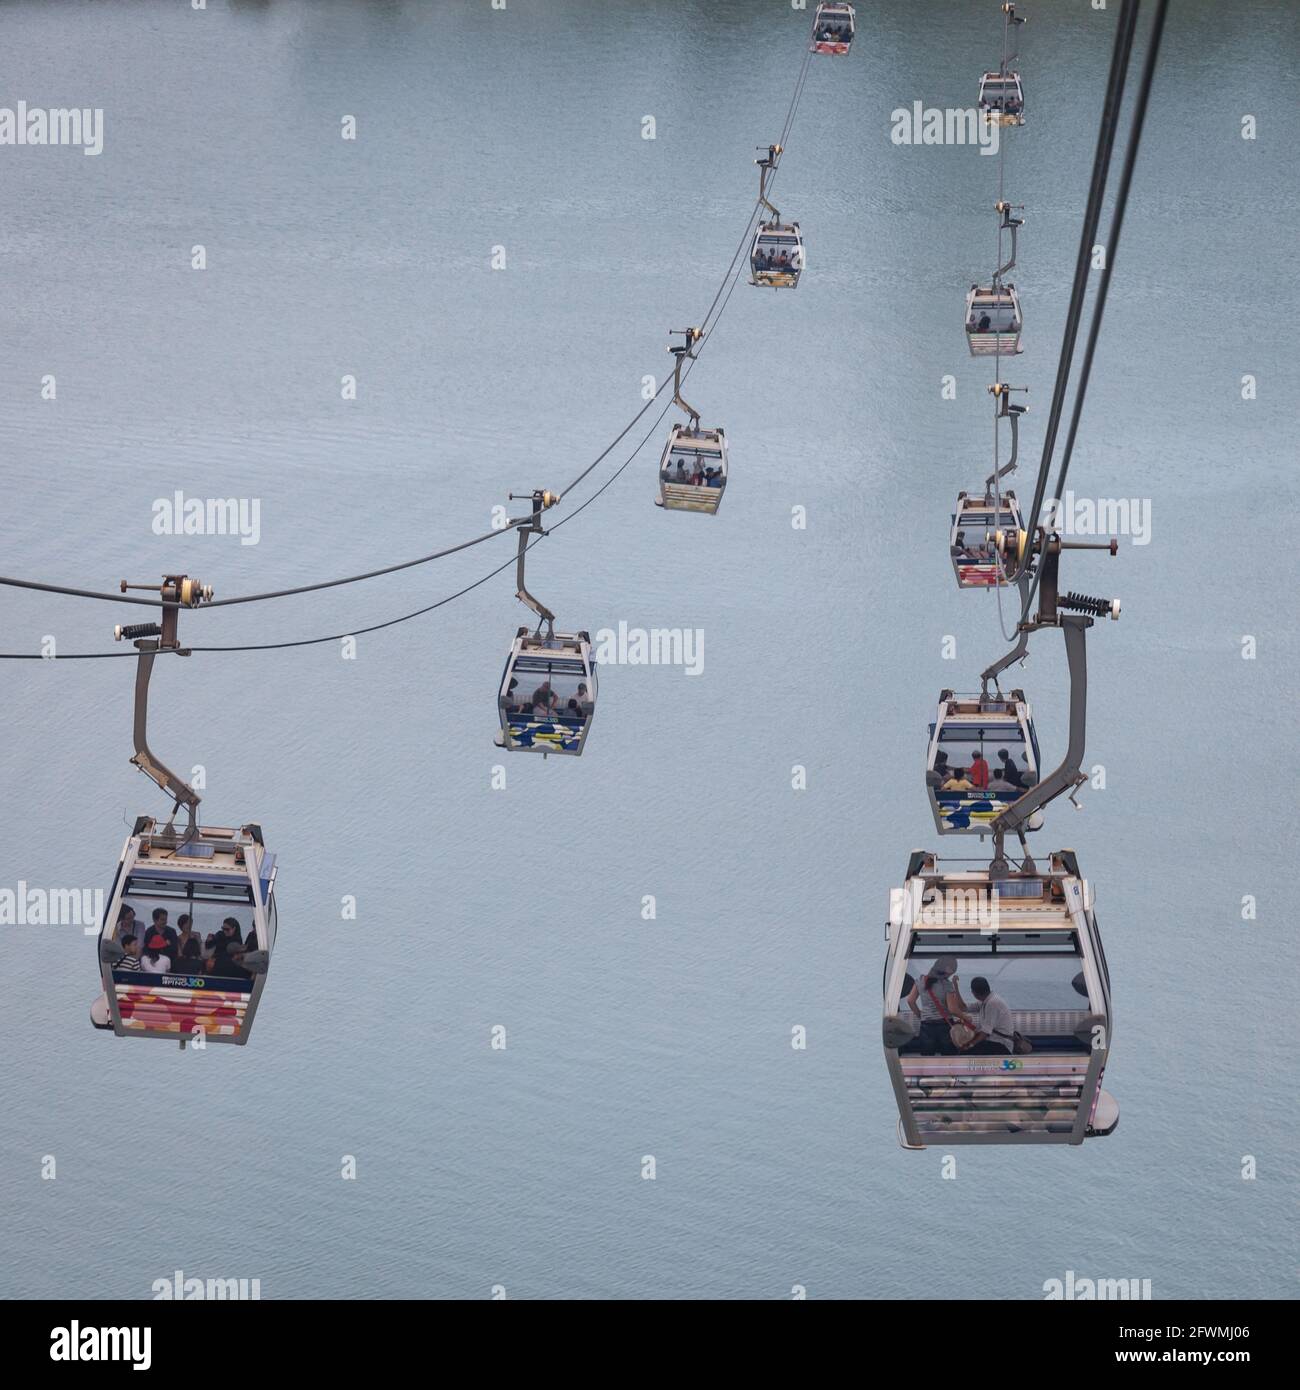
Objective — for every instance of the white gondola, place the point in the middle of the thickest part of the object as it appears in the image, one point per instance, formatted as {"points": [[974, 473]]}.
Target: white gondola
{"points": [[993, 321], [187, 939], [214, 877], [776, 258], [693, 470], [547, 697], [1002, 98], [1031, 938], [833, 29], [983, 756], [987, 540]]}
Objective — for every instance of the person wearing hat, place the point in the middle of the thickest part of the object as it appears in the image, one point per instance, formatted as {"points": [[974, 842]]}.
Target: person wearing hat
{"points": [[936, 1000], [155, 962]]}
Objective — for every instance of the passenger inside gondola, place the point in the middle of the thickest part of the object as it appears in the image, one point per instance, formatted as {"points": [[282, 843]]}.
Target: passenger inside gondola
{"points": [[963, 762], [936, 1003], [1022, 987], [691, 470], [995, 1031], [993, 318], [154, 959], [562, 697]]}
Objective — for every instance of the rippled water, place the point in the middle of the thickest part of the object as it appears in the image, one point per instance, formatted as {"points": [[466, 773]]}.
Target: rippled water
{"points": [[823, 647]]}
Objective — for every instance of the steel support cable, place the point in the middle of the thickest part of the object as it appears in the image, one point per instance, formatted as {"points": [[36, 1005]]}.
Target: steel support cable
{"points": [[1112, 246], [731, 275], [106, 597], [1092, 213], [428, 608]]}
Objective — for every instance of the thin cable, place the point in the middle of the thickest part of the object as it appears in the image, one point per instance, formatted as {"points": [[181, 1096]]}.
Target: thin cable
{"points": [[1112, 247], [732, 275], [1101, 166]]}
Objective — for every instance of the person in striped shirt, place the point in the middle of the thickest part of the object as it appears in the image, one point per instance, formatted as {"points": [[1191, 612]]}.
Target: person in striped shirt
{"points": [[131, 958]]}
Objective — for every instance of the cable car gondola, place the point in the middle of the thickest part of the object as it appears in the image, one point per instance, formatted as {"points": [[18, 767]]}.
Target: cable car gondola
{"points": [[1029, 937], [1002, 96], [983, 757], [993, 321], [776, 258], [693, 468], [987, 542], [993, 318], [833, 29], [221, 880], [547, 696]]}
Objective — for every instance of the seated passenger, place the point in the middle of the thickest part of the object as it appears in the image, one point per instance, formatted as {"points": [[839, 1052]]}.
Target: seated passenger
{"points": [[544, 698], [155, 960], [131, 959], [936, 1001], [1008, 770], [979, 772], [714, 478], [191, 957], [994, 1030], [983, 325], [511, 698], [999, 784], [160, 928], [940, 773], [222, 941], [235, 965], [957, 782], [185, 938], [126, 923], [681, 472]]}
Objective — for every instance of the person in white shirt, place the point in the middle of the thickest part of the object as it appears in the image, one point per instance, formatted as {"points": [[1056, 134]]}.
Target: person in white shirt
{"points": [[154, 961], [994, 1029]]}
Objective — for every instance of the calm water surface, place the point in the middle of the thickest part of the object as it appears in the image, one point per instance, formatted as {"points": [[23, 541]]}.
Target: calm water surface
{"points": [[823, 647]]}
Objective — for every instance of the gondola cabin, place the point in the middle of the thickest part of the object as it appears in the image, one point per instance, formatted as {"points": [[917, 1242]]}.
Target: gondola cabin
{"points": [[548, 693], [977, 524], [833, 29], [1002, 98], [1021, 950], [983, 756], [693, 470], [217, 891], [777, 255], [993, 321]]}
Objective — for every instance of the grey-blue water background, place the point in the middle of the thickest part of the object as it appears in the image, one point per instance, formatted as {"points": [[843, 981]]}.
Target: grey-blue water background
{"points": [[523, 908]]}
